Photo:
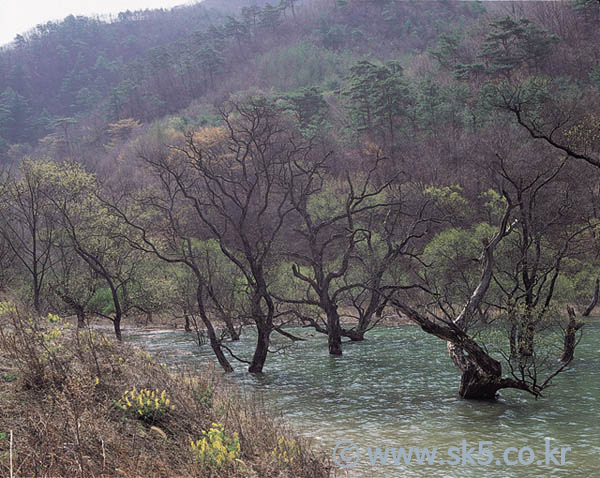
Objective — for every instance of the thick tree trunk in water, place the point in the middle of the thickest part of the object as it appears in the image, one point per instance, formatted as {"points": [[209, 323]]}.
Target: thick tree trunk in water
{"points": [[481, 375], [355, 335], [233, 333], [334, 331], [212, 337], [570, 340], [476, 387], [335, 342], [262, 348]]}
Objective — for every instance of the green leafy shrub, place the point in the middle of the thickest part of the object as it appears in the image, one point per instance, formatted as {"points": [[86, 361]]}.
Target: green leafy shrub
{"points": [[216, 448], [146, 405], [205, 397], [286, 451]]}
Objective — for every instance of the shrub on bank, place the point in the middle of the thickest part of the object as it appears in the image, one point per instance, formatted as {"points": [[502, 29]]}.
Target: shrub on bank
{"points": [[217, 449], [147, 405]]}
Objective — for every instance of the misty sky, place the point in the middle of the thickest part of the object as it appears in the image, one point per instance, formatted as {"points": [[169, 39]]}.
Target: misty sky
{"points": [[18, 16]]}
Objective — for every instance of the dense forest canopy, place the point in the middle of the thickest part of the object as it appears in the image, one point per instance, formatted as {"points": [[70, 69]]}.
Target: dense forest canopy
{"points": [[314, 162]]}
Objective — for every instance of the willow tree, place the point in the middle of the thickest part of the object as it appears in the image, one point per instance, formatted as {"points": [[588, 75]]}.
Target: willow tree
{"points": [[510, 331], [27, 222], [234, 181], [91, 232], [481, 374], [329, 214], [351, 229], [226, 185]]}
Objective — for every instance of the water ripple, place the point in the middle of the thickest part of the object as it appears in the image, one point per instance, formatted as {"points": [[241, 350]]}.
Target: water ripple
{"points": [[399, 389]]}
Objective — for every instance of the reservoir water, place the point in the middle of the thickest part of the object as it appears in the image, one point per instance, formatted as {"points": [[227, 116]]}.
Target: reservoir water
{"points": [[399, 389]]}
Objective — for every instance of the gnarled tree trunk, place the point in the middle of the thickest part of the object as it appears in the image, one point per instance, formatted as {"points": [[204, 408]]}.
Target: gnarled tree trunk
{"points": [[481, 374], [570, 340], [212, 336], [260, 352], [334, 330]]}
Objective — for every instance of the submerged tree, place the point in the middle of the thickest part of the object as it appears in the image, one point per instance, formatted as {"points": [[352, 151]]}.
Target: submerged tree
{"points": [[329, 218], [510, 316], [226, 184], [574, 325], [481, 374], [351, 230]]}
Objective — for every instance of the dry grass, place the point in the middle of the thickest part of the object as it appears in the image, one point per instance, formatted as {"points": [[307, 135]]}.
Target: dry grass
{"points": [[58, 394]]}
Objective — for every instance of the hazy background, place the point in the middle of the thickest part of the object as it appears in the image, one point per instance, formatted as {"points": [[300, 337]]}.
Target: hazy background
{"points": [[19, 16]]}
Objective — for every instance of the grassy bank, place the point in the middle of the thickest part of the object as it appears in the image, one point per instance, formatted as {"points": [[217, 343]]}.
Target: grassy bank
{"points": [[80, 404]]}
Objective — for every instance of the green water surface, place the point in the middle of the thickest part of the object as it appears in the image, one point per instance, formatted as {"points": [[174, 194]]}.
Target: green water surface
{"points": [[399, 389]]}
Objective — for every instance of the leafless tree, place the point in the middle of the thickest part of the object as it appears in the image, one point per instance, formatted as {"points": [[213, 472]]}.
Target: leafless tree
{"points": [[328, 235], [227, 184]]}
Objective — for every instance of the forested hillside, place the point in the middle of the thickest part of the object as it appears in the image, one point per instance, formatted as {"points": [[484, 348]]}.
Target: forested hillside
{"points": [[313, 162], [147, 64]]}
